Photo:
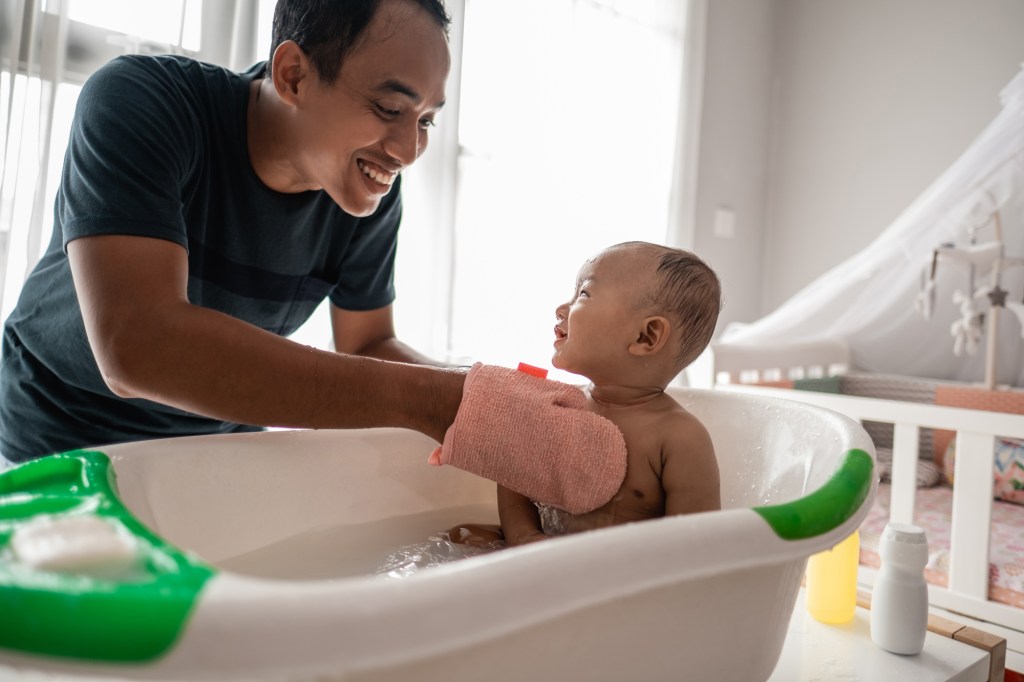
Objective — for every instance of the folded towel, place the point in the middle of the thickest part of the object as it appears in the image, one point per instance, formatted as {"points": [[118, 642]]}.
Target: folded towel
{"points": [[536, 437]]}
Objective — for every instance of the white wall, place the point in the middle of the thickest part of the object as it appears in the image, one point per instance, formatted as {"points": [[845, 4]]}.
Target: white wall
{"points": [[733, 158], [823, 119]]}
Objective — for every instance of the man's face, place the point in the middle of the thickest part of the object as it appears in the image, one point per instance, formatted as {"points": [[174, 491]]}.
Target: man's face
{"points": [[358, 133], [596, 326]]}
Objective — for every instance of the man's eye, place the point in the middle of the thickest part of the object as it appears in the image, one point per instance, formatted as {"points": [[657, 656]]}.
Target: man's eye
{"points": [[384, 110], [427, 123]]}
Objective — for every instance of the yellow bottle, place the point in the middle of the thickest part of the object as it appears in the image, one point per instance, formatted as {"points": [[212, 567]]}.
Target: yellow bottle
{"points": [[831, 589]]}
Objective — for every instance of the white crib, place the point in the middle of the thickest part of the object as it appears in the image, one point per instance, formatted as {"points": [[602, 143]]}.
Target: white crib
{"points": [[738, 368]]}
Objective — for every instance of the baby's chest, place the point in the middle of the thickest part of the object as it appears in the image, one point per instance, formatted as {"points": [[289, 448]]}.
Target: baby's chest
{"points": [[641, 489], [644, 460]]}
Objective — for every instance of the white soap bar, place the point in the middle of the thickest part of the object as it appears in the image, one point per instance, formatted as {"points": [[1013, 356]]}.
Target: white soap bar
{"points": [[84, 544]]}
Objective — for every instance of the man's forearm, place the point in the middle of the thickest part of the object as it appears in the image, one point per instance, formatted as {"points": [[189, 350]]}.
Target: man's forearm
{"points": [[149, 341], [396, 351], [215, 365]]}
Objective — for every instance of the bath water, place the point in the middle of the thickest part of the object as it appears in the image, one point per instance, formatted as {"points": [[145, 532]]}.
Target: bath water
{"points": [[349, 550]]}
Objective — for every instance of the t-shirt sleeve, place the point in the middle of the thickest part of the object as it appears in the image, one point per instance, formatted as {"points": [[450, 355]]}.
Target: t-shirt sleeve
{"points": [[368, 267], [132, 142]]}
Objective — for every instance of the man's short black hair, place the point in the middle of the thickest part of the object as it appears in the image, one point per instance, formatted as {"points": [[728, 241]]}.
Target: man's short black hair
{"points": [[327, 29]]}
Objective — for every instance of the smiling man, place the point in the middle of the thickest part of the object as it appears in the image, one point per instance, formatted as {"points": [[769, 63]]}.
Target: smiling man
{"points": [[204, 214]]}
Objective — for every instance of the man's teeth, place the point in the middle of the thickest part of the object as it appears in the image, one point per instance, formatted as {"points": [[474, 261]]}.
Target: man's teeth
{"points": [[382, 177]]}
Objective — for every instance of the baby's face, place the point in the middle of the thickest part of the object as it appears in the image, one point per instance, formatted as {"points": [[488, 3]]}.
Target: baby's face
{"points": [[596, 326]]}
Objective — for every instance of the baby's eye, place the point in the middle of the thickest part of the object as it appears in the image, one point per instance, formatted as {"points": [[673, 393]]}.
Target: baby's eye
{"points": [[583, 294]]}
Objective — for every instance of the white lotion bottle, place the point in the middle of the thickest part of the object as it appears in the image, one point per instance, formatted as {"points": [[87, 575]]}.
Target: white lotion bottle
{"points": [[899, 600]]}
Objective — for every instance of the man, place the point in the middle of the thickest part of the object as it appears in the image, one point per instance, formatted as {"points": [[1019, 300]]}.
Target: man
{"points": [[203, 215]]}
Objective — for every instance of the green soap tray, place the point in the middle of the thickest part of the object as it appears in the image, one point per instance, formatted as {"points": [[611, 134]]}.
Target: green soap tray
{"points": [[134, 616]]}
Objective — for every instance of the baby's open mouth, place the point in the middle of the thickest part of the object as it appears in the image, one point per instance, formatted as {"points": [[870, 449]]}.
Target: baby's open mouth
{"points": [[376, 173]]}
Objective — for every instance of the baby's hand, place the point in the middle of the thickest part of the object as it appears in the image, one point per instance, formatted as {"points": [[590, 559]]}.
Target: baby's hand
{"points": [[525, 539], [476, 534]]}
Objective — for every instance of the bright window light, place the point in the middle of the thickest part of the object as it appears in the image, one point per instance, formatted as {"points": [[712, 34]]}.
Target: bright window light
{"points": [[568, 123], [23, 160], [265, 28], [160, 21]]}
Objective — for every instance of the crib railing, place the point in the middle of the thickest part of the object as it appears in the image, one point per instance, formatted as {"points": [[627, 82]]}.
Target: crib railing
{"points": [[976, 431]]}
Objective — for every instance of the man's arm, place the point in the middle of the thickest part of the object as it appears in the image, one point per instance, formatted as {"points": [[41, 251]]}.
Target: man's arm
{"points": [[520, 522], [689, 473], [150, 342], [371, 334]]}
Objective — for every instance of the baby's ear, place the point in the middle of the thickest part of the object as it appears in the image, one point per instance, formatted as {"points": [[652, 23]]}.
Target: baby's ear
{"points": [[652, 337]]}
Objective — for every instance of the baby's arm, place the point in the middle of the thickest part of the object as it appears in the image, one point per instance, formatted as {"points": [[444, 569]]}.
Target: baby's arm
{"points": [[476, 534], [690, 470], [520, 521]]}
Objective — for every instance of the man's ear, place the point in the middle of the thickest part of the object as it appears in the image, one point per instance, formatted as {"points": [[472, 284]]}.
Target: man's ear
{"points": [[652, 336], [290, 71]]}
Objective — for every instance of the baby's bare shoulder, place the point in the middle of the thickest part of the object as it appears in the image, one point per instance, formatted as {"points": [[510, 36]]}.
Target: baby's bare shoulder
{"points": [[684, 437], [671, 460], [675, 421]]}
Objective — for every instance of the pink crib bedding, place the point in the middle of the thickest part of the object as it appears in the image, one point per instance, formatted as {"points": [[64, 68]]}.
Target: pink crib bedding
{"points": [[933, 511]]}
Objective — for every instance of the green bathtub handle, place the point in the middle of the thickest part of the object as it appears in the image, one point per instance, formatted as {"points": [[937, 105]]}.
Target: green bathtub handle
{"points": [[827, 507], [132, 617]]}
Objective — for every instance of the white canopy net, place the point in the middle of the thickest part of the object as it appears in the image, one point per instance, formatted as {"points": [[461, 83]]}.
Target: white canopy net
{"points": [[875, 300]]}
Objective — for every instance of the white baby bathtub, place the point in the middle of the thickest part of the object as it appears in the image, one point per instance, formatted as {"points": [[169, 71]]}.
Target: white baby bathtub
{"points": [[700, 597]]}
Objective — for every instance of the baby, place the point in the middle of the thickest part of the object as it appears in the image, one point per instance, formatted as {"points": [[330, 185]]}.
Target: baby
{"points": [[640, 314]]}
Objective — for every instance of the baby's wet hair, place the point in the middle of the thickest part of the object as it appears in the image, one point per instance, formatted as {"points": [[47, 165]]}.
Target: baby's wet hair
{"points": [[689, 291]]}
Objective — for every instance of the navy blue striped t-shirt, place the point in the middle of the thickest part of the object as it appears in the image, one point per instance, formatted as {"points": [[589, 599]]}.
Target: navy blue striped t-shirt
{"points": [[158, 149]]}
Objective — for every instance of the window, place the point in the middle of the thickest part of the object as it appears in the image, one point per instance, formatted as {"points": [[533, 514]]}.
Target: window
{"points": [[58, 44], [559, 139], [568, 117]]}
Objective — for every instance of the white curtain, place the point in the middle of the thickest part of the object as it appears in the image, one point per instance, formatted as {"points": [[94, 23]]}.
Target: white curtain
{"points": [[47, 50], [869, 300], [558, 138], [33, 44], [568, 126]]}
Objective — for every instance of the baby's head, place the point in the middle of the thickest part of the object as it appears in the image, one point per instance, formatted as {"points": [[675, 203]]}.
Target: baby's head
{"points": [[640, 313]]}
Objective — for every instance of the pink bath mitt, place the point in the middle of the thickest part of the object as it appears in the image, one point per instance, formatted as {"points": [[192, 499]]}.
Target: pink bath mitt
{"points": [[536, 437]]}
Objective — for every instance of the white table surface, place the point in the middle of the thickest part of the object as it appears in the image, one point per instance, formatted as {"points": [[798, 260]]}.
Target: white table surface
{"points": [[825, 653]]}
